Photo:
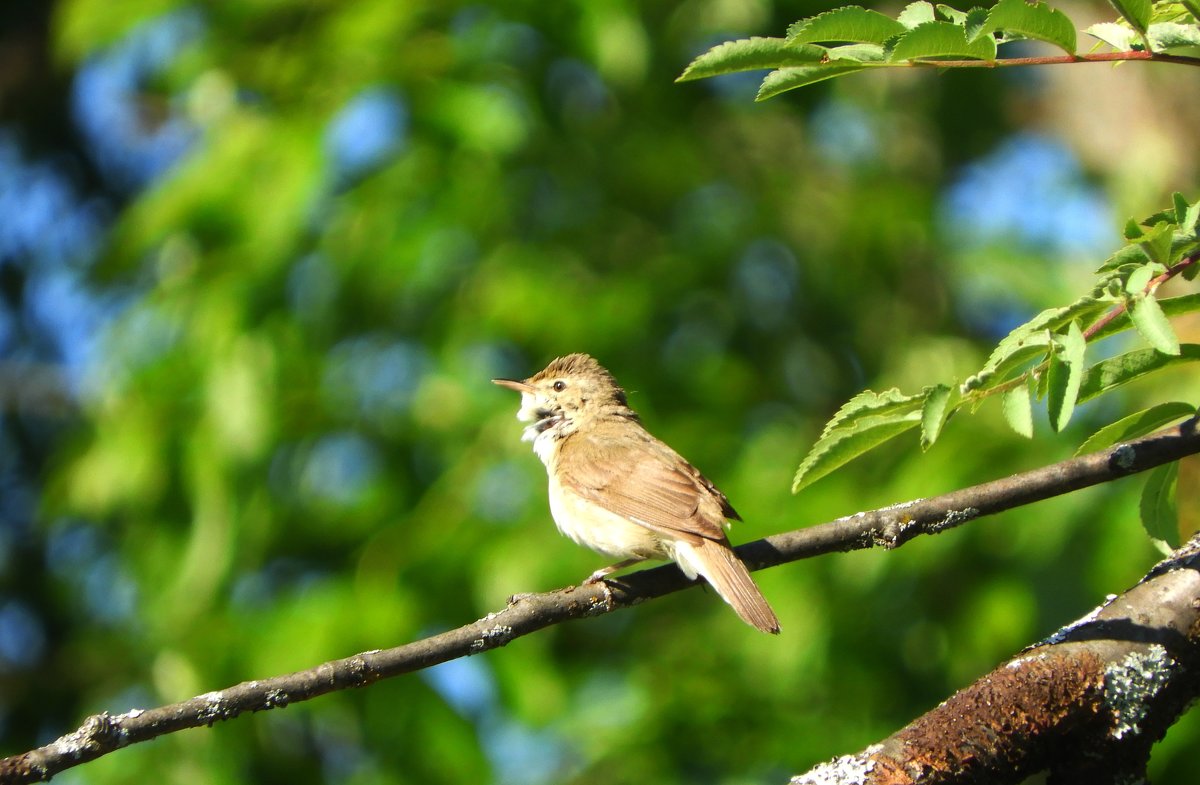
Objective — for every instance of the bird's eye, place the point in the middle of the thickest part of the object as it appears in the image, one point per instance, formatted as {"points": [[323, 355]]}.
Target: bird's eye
{"points": [[559, 386]]}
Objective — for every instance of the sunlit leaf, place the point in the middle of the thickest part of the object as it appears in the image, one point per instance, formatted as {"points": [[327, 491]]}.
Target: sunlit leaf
{"points": [[917, 13], [786, 79], [1109, 374], [1182, 208], [852, 24], [1016, 357], [1135, 425], [861, 53], [749, 54], [940, 402], [1156, 241], [1190, 221], [1032, 339], [846, 444], [1152, 324], [1139, 278], [869, 403], [1017, 406], [1171, 35], [1119, 37], [1018, 18], [1158, 507], [1064, 376], [865, 421], [970, 20], [1135, 12], [940, 40]]}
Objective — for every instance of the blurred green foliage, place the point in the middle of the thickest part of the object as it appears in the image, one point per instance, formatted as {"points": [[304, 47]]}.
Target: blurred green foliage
{"points": [[290, 444]]}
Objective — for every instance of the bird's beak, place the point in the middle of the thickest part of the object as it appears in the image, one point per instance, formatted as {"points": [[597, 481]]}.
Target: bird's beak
{"points": [[513, 384]]}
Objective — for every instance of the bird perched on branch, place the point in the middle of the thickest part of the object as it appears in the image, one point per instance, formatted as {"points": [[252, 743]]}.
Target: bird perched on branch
{"points": [[622, 492]]}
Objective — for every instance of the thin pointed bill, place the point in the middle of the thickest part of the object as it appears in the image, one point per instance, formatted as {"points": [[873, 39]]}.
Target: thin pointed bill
{"points": [[532, 410], [513, 384]]}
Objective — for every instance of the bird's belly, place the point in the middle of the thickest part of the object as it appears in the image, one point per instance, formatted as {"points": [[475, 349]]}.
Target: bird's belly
{"points": [[603, 531]]}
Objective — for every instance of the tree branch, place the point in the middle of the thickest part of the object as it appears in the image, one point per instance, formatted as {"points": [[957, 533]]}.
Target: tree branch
{"points": [[889, 527], [1094, 57], [1086, 704]]}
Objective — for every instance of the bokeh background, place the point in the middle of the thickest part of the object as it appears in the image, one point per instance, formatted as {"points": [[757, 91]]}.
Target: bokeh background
{"points": [[259, 260]]}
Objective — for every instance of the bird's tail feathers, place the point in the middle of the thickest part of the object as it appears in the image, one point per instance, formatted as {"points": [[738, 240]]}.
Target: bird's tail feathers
{"points": [[724, 571]]}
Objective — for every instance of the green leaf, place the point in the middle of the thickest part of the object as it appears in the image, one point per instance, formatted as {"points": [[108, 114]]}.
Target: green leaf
{"points": [[1019, 19], [1169, 35], [1159, 239], [1170, 11], [860, 53], [849, 24], [790, 78], [938, 40], [1190, 222], [1152, 324], [1156, 242], [1132, 230], [971, 21], [1015, 358], [847, 444], [1119, 37], [749, 54], [917, 13], [940, 402], [1109, 374], [873, 404], [1017, 406], [1181, 208], [1065, 375], [1193, 8], [1158, 506], [1136, 283], [865, 421], [1128, 254], [952, 14], [1135, 425], [1032, 339], [1135, 12]]}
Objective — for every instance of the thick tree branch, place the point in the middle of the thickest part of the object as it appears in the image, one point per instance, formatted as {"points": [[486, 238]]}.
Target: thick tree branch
{"points": [[1086, 704], [889, 527]]}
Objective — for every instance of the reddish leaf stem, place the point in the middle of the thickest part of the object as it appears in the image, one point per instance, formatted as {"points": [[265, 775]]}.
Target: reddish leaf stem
{"points": [[1153, 284], [1096, 57]]}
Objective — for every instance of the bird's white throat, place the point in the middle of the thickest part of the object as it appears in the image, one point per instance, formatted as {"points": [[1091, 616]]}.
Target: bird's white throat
{"points": [[542, 431]]}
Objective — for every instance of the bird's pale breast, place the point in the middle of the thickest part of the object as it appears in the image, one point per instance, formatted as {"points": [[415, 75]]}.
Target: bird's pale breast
{"points": [[604, 532]]}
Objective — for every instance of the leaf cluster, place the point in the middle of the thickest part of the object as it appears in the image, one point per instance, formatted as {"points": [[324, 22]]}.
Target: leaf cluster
{"points": [[851, 39], [1046, 359]]}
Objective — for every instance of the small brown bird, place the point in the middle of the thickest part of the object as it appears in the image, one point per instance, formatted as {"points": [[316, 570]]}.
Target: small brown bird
{"points": [[622, 492]]}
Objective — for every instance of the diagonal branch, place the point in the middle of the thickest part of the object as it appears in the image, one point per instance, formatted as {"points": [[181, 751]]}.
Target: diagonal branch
{"points": [[888, 527]]}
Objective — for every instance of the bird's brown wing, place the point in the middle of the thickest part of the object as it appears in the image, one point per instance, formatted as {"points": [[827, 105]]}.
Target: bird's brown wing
{"points": [[646, 482]]}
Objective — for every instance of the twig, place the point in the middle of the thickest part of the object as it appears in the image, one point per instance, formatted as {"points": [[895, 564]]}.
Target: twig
{"points": [[1150, 287], [889, 527], [1096, 57]]}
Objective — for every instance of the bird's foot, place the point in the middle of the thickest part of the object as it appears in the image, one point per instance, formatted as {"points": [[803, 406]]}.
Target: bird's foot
{"points": [[600, 574]]}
